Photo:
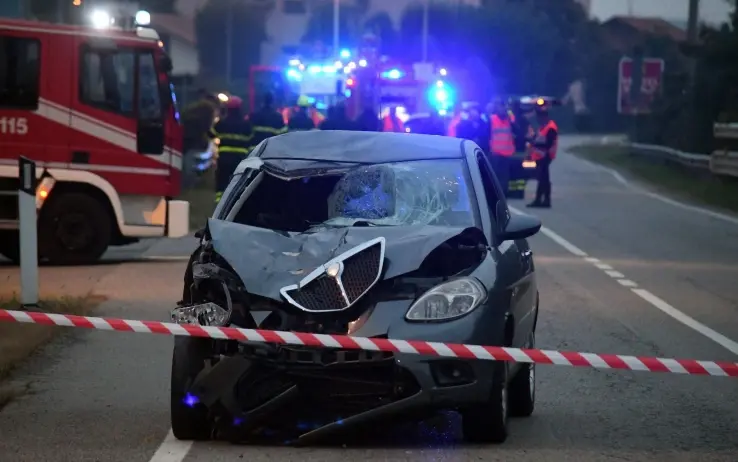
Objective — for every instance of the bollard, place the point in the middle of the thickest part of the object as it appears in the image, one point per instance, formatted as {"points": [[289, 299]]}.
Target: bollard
{"points": [[27, 228]]}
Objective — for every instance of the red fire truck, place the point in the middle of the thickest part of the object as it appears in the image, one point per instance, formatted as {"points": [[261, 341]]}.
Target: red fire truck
{"points": [[95, 110]]}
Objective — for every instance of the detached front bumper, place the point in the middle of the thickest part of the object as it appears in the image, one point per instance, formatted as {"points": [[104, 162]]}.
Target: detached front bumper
{"points": [[335, 389]]}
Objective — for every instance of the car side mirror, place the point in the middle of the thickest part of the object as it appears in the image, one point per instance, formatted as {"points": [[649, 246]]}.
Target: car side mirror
{"points": [[150, 137], [519, 227]]}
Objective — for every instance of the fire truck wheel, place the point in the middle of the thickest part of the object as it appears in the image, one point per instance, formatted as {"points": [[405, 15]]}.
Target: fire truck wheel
{"points": [[74, 229], [10, 245]]}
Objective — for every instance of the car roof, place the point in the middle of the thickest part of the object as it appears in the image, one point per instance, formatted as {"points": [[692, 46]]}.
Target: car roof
{"points": [[373, 147]]}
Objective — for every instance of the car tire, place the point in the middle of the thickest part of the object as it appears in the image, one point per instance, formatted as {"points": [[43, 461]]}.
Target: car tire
{"points": [[487, 423], [522, 387], [74, 229], [189, 421]]}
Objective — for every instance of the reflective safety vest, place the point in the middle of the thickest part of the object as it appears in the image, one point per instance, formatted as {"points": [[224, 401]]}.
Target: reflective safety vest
{"points": [[502, 141], [537, 153], [455, 120], [317, 118], [390, 124]]}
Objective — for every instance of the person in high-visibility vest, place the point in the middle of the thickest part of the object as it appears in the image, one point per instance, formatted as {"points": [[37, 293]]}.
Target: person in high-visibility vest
{"points": [[502, 142], [392, 123], [234, 135], [315, 116], [544, 147]]}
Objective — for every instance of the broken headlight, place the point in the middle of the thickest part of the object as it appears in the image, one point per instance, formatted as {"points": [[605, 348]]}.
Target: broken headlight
{"points": [[204, 314], [447, 301]]}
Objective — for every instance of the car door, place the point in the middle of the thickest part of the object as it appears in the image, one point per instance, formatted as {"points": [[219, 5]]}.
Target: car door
{"points": [[514, 263]]}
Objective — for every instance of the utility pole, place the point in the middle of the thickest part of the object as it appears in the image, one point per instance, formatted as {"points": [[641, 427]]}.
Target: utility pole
{"points": [[229, 45], [336, 28], [426, 13], [692, 33]]}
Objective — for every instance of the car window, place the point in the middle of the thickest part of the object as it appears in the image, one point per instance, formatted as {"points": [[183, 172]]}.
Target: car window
{"points": [[19, 72], [149, 95], [425, 192], [492, 190], [107, 79]]}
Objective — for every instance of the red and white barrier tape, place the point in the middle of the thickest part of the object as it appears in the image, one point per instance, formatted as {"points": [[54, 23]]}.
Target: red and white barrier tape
{"points": [[418, 347]]}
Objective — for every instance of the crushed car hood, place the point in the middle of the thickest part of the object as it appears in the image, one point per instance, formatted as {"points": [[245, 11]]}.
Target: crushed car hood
{"points": [[267, 260]]}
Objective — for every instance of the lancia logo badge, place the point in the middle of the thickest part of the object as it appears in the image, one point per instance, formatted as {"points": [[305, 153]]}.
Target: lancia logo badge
{"points": [[333, 270]]}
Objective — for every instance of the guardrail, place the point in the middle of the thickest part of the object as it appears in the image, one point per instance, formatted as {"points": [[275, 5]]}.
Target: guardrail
{"points": [[722, 162]]}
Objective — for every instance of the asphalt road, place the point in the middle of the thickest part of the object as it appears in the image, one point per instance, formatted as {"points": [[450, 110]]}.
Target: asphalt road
{"points": [[666, 285]]}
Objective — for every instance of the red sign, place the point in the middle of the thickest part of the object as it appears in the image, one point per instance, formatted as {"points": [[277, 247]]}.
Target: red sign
{"points": [[652, 77]]}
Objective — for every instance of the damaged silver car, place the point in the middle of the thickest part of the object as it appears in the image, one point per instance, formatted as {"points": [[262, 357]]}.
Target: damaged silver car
{"points": [[378, 235]]}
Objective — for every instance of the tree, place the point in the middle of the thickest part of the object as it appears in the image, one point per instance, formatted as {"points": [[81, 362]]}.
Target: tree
{"points": [[320, 24], [248, 33], [380, 24]]}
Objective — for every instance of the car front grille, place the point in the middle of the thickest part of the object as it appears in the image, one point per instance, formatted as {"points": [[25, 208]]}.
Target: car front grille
{"points": [[357, 271]]}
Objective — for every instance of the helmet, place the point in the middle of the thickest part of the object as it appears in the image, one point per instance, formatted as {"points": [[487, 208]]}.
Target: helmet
{"points": [[234, 102], [303, 101]]}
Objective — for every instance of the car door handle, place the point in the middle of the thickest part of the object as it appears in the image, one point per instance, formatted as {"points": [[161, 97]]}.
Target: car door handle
{"points": [[527, 254]]}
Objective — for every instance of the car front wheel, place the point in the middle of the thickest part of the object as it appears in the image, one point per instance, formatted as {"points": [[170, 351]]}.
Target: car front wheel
{"points": [[523, 387], [190, 419], [487, 423]]}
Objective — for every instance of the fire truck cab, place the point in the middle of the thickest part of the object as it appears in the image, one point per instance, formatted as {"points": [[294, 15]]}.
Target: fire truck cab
{"points": [[95, 110]]}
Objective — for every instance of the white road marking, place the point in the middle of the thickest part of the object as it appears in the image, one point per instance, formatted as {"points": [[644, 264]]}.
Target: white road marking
{"points": [[692, 208], [171, 450], [652, 299]]}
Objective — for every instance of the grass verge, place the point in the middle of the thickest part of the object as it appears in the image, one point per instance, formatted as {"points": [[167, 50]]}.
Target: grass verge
{"points": [[19, 342], [675, 180], [202, 200]]}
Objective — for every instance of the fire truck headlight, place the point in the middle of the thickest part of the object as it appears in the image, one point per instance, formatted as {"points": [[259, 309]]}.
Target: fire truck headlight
{"points": [[143, 18], [100, 19], [222, 97]]}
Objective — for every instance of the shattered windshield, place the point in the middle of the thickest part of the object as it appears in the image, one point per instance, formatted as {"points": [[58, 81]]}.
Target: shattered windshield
{"points": [[425, 192], [407, 193]]}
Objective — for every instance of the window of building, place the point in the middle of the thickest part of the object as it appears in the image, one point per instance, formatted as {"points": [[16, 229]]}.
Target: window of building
{"points": [[107, 79], [294, 7], [19, 72]]}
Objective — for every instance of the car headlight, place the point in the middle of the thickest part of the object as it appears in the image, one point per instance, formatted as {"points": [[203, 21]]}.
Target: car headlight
{"points": [[447, 301]]}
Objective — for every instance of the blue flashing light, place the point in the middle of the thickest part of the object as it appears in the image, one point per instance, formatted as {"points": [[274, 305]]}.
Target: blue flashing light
{"points": [[294, 62], [329, 69], [345, 54], [314, 69], [191, 400], [441, 96], [393, 74], [293, 74]]}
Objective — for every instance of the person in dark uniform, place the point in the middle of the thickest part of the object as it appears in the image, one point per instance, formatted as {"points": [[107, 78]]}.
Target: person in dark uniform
{"points": [[545, 146], [300, 119], [368, 120], [338, 120], [267, 121], [235, 136], [474, 128]]}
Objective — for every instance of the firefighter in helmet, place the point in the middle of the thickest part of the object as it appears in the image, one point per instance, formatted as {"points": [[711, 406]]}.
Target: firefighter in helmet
{"points": [[267, 121], [300, 119], [234, 135]]}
